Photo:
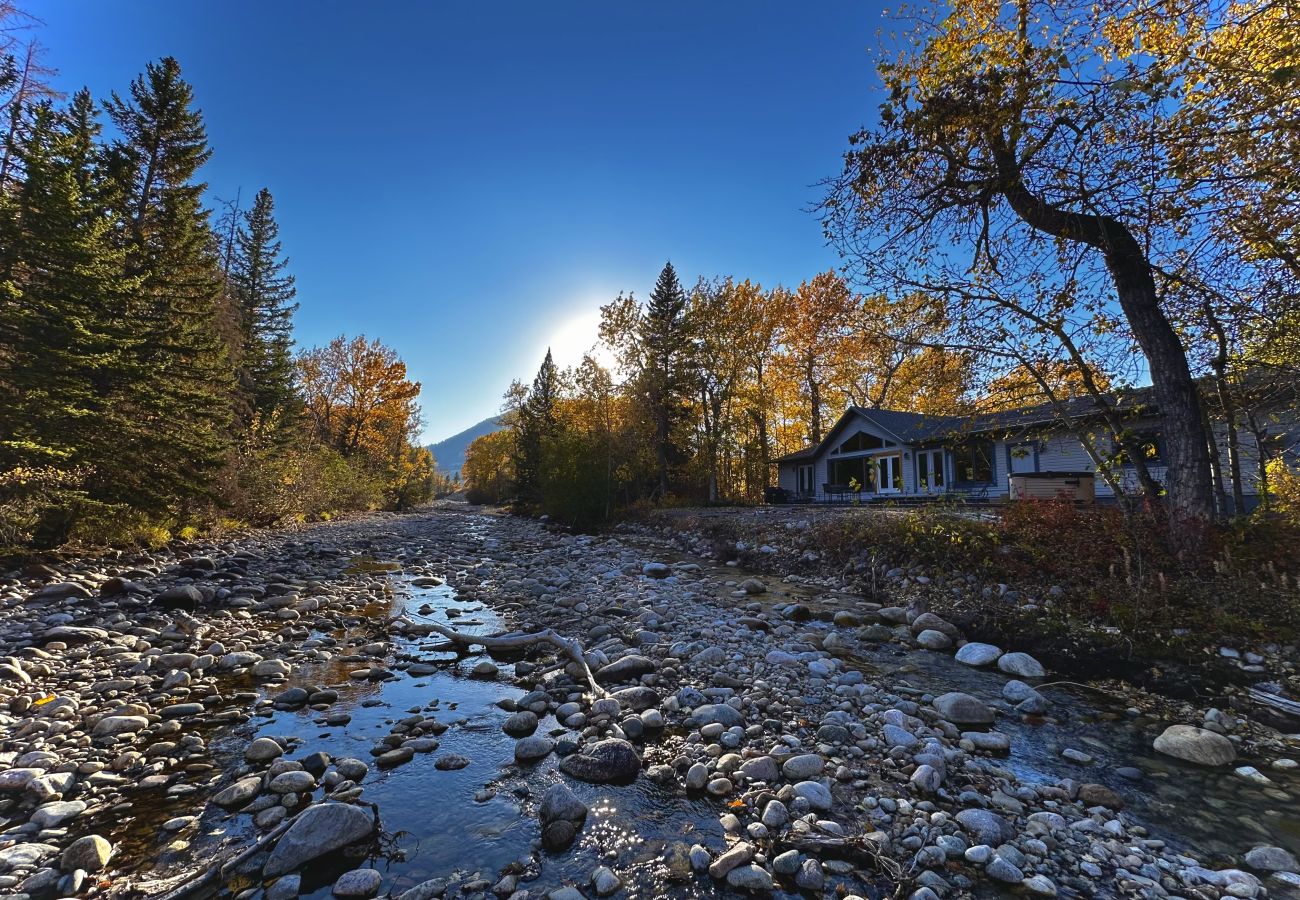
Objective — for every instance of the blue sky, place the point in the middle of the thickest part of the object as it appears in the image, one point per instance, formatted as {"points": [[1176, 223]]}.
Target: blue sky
{"points": [[468, 182]]}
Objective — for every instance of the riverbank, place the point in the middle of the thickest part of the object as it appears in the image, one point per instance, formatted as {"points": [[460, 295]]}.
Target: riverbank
{"points": [[752, 734]]}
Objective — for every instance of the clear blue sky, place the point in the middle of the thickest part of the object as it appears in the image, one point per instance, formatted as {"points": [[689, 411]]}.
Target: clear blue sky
{"points": [[469, 181]]}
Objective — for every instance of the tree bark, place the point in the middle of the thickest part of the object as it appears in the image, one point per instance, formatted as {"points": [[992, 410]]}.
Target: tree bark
{"points": [[1186, 444]]}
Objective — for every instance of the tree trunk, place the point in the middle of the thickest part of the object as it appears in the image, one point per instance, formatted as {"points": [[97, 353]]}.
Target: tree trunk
{"points": [[1229, 406], [1187, 447]]}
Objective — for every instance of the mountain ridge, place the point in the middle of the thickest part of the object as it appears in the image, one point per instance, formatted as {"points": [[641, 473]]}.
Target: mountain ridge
{"points": [[449, 453]]}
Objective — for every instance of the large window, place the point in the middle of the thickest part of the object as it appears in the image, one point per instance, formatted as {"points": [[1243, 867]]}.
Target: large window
{"points": [[973, 462], [843, 472], [860, 442]]}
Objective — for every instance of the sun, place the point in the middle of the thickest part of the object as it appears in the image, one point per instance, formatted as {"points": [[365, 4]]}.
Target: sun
{"points": [[576, 336]]}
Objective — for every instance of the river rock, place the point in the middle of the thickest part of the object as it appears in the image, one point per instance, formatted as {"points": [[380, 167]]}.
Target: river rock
{"points": [[263, 750], [1022, 665], [318, 830], [239, 793], [605, 761], [1271, 859], [933, 640], [624, 669], [533, 747], [560, 803], [520, 724], [976, 654], [359, 884], [89, 853], [719, 713], [803, 767], [985, 827], [963, 709], [1196, 745]]}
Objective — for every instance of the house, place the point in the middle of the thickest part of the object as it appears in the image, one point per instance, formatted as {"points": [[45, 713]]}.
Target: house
{"points": [[882, 454]]}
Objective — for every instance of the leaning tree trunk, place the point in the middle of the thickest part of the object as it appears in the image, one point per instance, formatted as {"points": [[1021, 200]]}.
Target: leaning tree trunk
{"points": [[1187, 446]]}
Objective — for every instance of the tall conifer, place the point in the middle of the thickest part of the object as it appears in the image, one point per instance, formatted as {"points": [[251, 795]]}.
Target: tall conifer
{"points": [[667, 351], [264, 294], [182, 408]]}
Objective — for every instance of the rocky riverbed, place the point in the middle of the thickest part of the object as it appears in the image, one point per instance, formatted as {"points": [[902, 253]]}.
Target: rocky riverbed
{"points": [[280, 716]]}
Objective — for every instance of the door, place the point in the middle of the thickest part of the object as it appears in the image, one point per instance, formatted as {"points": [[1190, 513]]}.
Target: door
{"points": [[929, 471], [889, 474], [1024, 458]]}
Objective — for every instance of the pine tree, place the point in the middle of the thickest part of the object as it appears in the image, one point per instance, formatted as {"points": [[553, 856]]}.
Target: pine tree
{"points": [[536, 423], [264, 296], [182, 406], [667, 354], [67, 341]]}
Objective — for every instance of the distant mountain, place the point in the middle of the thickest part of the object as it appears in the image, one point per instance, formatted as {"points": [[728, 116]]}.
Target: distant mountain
{"points": [[450, 453]]}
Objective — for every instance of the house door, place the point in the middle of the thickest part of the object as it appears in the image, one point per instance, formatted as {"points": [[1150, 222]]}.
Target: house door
{"points": [[1023, 458], [889, 474], [929, 471]]}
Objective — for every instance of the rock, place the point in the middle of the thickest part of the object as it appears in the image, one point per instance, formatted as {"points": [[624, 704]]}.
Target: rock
{"points": [[1000, 870], [270, 668], [656, 570], [760, 768], [988, 741], [753, 586], [318, 830], [1195, 745], [752, 878], [239, 793], [810, 876], [1022, 665], [637, 698], [720, 713], [111, 725], [735, 855], [559, 835], [803, 767], [359, 883], [603, 762], [1039, 886], [89, 853], [926, 779], [520, 724], [624, 668], [182, 596], [52, 815], [560, 803], [285, 888], [933, 640], [963, 709], [1271, 859], [976, 654], [484, 668], [1100, 795], [605, 881], [985, 827], [450, 762], [816, 793], [533, 747], [295, 782], [263, 750]]}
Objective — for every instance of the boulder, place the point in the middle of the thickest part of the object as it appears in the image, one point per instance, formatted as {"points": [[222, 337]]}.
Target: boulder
{"points": [[625, 669], [977, 654], [963, 709], [1195, 745], [605, 761], [559, 803], [89, 853], [1022, 665], [318, 830]]}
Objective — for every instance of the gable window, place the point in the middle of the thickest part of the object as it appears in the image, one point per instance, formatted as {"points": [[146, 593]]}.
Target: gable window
{"points": [[862, 441], [973, 462]]}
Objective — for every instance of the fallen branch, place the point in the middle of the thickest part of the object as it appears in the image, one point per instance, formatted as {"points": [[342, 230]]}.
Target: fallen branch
{"points": [[569, 647]]}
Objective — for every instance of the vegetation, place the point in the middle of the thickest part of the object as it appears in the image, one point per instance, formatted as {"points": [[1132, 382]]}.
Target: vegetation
{"points": [[148, 380], [1079, 184]]}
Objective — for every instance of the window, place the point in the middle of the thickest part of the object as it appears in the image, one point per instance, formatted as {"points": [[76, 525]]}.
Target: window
{"points": [[844, 471], [805, 479], [973, 462], [862, 441]]}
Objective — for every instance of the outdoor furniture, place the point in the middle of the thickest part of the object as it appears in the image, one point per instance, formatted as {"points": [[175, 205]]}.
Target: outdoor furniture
{"points": [[840, 492]]}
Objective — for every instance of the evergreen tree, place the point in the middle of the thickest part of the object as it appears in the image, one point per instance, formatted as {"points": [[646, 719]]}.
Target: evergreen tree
{"points": [[667, 356], [536, 423], [181, 409], [66, 341], [264, 294]]}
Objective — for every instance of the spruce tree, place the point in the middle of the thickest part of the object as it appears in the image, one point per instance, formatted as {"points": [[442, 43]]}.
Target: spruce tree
{"points": [[264, 294], [67, 341], [181, 410], [537, 422], [666, 344]]}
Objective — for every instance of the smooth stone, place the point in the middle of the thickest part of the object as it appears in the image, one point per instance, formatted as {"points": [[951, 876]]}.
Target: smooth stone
{"points": [[963, 709], [603, 762], [359, 883], [1022, 665], [1195, 745], [977, 654], [318, 830], [89, 853]]}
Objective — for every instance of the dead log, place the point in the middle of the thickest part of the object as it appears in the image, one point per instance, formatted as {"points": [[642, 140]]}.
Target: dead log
{"points": [[569, 647]]}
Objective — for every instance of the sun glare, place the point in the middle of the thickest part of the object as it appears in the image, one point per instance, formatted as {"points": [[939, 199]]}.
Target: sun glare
{"points": [[576, 336]]}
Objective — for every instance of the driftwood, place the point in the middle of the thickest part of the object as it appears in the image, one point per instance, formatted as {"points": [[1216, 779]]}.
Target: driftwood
{"points": [[569, 647], [1281, 704]]}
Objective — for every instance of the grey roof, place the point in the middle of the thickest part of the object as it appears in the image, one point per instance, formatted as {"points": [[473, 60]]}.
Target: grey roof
{"points": [[919, 428]]}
